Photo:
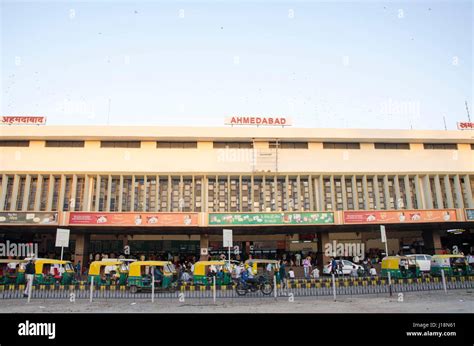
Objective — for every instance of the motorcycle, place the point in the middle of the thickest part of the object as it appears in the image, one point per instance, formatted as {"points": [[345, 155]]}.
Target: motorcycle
{"points": [[260, 283]]}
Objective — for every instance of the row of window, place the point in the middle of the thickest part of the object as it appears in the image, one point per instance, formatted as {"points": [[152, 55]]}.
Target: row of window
{"points": [[232, 145]]}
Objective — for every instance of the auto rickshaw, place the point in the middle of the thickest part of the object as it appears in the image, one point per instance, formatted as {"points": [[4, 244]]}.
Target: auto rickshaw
{"points": [[452, 265], [108, 272], [12, 271], [260, 266], [142, 273], [205, 270], [52, 271], [400, 267]]}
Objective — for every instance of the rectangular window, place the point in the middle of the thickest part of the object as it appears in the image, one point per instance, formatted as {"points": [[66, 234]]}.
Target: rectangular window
{"points": [[120, 144], [397, 146], [233, 145], [340, 145], [14, 143], [440, 146], [176, 145], [64, 144], [288, 145]]}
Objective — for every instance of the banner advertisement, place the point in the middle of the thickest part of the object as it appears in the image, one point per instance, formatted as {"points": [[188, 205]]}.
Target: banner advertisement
{"points": [[28, 218], [133, 219], [399, 216], [290, 218]]}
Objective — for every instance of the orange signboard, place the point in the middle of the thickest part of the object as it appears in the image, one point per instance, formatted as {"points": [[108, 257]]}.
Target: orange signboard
{"points": [[133, 219], [399, 216]]}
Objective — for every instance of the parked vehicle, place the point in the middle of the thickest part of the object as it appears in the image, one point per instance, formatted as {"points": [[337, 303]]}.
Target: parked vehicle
{"points": [[260, 266], [424, 261], [108, 272], [12, 271], [52, 271], [205, 270], [142, 273], [347, 267], [258, 283], [450, 264], [400, 267]]}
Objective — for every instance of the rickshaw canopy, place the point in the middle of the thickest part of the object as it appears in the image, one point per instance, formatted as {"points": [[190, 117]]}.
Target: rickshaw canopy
{"points": [[135, 267], [393, 262], [40, 262], [200, 266], [95, 266]]}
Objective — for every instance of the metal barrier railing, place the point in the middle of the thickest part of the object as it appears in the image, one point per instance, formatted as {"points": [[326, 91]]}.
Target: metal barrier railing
{"points": [[301, 287]]}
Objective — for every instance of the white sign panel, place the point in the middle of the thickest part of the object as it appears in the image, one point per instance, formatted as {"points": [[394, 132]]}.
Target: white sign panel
{"points": [[62, 237], [204, 251], [258, 121], [383, 234], [227, 235]]}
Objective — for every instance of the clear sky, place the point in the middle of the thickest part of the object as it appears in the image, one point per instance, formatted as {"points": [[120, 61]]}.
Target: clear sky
{"points": [[351, 64]]}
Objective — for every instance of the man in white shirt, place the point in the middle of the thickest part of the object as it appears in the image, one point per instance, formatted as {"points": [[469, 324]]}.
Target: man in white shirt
{"points": [[291, 274], [373, 272], [315, 273], [298, 259]]}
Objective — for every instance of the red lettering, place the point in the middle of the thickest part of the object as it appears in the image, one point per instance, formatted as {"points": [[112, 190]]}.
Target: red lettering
{"points": [[282, 121]]}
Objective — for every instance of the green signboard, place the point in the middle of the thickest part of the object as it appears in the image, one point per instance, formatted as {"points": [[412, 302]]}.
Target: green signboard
{"points": [[291, 218], [28, 218], [470, 214]]}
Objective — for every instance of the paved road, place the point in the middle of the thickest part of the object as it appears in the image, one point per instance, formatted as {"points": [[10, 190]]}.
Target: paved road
{"points": [[456, 301]]}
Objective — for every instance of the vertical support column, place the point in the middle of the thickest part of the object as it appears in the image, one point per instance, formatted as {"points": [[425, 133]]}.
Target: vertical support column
{"points": [[205, 194], [204, 243], [169, 192], [52, 183], [14, 198], [193, 194], [39, 190], [458, 190], [120, 201], [320, 205], [240, 193], [62, 192], [432, 241], [26, 193], [323, 239], [157, 193], [109, 193], [3, 196], [344, 192], [274, 191], [287, 199], [88, 183], [252, 189], [81, 249], [386, 193], [408, 192], [355, 193], [375, 185], [449, 192], [366, 192], [132, 195], [72, 202], [427, 192], [419, 196], [145, 194], [298, 193], [97, 192], [333, 193], [396, 186], [439, 194], [468, 191], [311, 193]]}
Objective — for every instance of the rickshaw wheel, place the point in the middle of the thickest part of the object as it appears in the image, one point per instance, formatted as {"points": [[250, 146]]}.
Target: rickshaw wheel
{"points": [[267, 288], [133, 289]]}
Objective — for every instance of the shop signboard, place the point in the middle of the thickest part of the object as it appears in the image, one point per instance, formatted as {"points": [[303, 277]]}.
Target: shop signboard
{"points": [[133, 219], [28, 218], [285, 218], [469, 214], [399, 216]]}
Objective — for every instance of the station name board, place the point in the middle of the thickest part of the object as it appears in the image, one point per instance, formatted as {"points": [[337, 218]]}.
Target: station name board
{"points": [[258, 121], [23, 120], [465, 125]]}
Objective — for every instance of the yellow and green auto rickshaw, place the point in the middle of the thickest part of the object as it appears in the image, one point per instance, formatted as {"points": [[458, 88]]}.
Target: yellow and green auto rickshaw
{"points": [[108, 272], [142, 273], [52, 271], [264, 267], [400, 267], [12, 271], [452, 265], [205, 270]]}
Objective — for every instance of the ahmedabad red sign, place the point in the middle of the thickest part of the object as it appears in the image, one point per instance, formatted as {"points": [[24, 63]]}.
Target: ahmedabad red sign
{"points": [[399, 216], [265, 121], [465, 125], [133, 219], [23, 120]]}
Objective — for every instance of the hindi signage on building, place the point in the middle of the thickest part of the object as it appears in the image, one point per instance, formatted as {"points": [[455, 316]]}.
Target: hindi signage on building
{"points": [[304, 218], [133, 219], [28, 218], [23, 120], [258, 121], [399, 216], [465, 125]]}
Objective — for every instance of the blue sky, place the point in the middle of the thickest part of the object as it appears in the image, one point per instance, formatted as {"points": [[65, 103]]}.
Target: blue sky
{"points": [[355, 64]]}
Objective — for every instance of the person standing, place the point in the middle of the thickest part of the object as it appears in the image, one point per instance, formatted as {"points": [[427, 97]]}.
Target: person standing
{"points": [[306, 265], [298, 259], [78, 270], [30, 274], [282, 271]]}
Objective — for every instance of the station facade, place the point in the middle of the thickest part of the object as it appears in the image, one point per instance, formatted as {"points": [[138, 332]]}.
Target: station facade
{"points": [[172, 190]]}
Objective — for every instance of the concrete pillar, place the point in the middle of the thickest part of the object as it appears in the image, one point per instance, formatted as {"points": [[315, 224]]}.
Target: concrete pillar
{"points": [[323, 239], [355, 193], [365, 190], [420, 203], [427, 192], [62, 192], [375, 189], [408, 192], [16, 187], [81, 252], [204, 243], [439, 194], [396, 185], [26, 193], [449, 193], [3, 195], [432, 241], [386, 192], [320, 192], [333, 193], [458, 190], [468, 191], [344, 192]]}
